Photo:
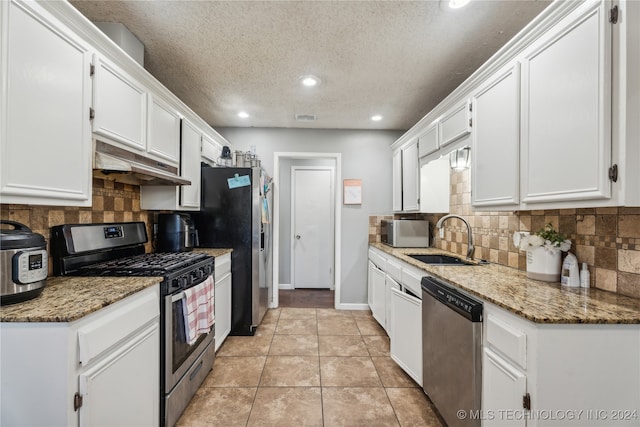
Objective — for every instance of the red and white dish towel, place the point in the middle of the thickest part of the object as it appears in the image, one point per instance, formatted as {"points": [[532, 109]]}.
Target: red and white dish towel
{"points": [[198, 309]]}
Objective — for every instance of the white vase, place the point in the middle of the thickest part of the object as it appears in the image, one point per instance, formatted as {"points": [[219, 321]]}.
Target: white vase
{"points": [[543, 264]]}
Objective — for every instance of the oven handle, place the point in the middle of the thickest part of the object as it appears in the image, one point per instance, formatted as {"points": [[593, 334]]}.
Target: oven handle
{"points": [[180, 294]]}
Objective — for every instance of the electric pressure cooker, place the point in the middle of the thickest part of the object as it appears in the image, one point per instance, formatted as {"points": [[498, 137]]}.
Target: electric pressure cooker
{"points": [[23, 263]]}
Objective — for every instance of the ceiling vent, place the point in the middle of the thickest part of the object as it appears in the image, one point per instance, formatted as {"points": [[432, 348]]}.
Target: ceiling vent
{"points": [[305, 117]]}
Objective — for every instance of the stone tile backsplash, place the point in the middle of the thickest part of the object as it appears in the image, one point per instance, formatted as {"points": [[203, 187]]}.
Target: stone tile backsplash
{"points": [[607, 239], [112, 202]]}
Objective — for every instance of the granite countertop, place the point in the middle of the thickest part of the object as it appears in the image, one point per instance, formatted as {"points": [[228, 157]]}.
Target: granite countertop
{"points": [[214, 252], [540, 302], [65, 298]]}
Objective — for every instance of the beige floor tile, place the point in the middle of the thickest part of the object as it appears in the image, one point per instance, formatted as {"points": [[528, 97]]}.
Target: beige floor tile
{"points": [[413, 408], [245, 346], [361, 313], [297, 313], [332, 312], [294, 345], [348, 372], [287, 407], [369, 326], [357, 407], [291, 371], [223, 407], [391, 374], [235, 372], [271, 315], [377, 345], [342, 345], [266, 329], [337, 326], [297, 326]]}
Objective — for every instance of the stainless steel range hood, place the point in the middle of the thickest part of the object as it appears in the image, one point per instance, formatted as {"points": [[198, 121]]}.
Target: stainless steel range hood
{"points": [[120, 165]]}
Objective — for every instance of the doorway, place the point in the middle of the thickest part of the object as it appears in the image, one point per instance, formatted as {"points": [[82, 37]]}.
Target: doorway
{"points": [[312, 213], [282, 221]]}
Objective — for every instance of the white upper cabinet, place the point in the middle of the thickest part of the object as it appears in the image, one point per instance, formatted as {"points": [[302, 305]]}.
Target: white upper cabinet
{"points": [[455, 124], [120, 104], [190, 165], [435, 186], [410, 178], [566, 110], [45, 97], [428, 141], [163, 135], [211, 150], [397, 180], [495, 153]]}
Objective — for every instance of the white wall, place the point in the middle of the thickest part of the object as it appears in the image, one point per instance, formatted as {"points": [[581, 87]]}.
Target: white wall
{"points": [[366, 155]]}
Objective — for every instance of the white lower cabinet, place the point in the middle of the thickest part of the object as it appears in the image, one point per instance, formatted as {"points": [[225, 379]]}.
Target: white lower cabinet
{"points": [[406, 332], [107, 364], [567, 374], [377, 278], [222, 298], [389, 284]]}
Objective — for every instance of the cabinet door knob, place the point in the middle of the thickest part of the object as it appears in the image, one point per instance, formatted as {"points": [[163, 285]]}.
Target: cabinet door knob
{"points": [[297, 237]]}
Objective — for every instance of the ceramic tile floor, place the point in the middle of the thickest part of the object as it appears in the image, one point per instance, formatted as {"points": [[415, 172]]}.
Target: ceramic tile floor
{"points": [[309, 367]]}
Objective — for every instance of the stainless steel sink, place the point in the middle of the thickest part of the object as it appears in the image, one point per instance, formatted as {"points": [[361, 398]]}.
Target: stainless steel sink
{"points": [[440, 259]]}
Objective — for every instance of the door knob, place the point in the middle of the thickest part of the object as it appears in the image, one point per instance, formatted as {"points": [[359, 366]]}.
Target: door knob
{"points": [[297, 237]]}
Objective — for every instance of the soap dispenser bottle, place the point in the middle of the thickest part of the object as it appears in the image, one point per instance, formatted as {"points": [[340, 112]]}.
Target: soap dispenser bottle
{"points": [[570, 273], [585, 276]]}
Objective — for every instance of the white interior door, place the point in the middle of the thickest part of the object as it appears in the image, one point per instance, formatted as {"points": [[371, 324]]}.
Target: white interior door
{"points": [[312, 227]]}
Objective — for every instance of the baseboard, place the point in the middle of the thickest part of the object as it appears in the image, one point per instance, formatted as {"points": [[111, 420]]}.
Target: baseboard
{"points": [[285, 286], [349, 306]]}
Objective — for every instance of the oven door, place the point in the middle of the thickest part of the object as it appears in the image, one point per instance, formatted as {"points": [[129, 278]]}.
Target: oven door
{"points": [[179, 355]]}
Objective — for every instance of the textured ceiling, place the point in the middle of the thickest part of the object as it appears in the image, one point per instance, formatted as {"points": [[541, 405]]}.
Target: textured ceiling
{"points": [[394, 58]]}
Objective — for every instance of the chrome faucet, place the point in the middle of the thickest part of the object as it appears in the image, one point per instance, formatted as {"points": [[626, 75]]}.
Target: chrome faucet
{"points": [[471, 248]]}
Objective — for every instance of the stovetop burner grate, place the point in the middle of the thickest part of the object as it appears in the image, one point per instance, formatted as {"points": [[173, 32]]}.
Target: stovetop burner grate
{"points": [[144, 264]]}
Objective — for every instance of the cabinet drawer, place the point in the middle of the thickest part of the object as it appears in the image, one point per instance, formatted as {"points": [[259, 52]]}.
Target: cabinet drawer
{"points": [[378, 260], [507, 340], [394, 270], [222, 266], [116, 323], [411, 278]]}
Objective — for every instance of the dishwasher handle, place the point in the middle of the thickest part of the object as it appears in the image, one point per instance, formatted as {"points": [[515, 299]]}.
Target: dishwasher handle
{"points": [[462, 304]]}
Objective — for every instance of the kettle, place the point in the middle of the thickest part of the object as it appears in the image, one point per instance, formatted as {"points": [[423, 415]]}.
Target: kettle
{"points": [[175, 233]]}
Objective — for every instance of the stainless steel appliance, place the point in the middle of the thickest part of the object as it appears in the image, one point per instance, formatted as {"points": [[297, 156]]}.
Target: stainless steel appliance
{"points": [[451, 351], [175, 233], [405, 233], [231, 216], [117, 249], [23, 263]]}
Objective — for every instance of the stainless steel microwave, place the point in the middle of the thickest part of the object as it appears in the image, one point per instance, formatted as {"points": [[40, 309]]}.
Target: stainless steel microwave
{"points": [[405, 233]]}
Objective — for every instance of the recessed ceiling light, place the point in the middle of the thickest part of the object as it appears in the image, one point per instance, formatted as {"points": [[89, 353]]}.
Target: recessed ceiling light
{"points": [[457, 4], [376, 118], [309, 80], [243, 114]]}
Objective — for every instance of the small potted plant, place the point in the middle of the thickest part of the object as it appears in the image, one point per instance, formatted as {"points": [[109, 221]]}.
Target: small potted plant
{"points": [[543, 252]]}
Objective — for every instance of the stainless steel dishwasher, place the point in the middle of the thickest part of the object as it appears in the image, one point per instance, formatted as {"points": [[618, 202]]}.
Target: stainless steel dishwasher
{"points": [[452, 352]]}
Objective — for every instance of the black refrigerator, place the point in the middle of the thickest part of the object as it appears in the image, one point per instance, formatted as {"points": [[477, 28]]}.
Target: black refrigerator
{"points": [[233, 214]]}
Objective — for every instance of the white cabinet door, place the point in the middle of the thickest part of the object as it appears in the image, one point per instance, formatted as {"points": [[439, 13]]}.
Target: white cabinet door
{"points": [[378, 307], [45, 96], [397, 180], [120, 104], [410, 178], [428, 141], [566, 110], [406, 333], [503, 387], [495, 153], [190, 165], [127, 375], [211, 150], [222, 309], [435, 186], [370, 284], [163, 134], [388, 285], [455, 124]]}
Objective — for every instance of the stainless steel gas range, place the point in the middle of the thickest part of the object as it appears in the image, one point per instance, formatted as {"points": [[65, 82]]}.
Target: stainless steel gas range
{"points": [[117, 249]]}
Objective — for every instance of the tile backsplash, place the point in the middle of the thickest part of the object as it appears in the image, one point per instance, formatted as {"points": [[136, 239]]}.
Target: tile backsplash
{"points": [[112, 202], [607, 239]]}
